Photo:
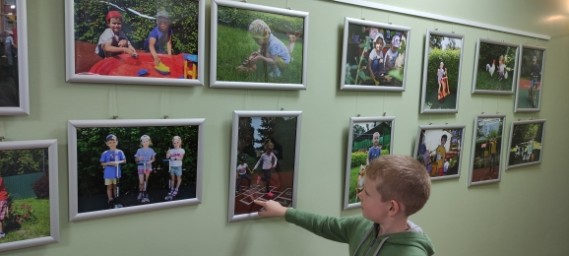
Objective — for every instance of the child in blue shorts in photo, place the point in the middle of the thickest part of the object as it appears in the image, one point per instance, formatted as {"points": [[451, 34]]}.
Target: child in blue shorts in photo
{"points": [[144, 157], [110, 161], [175, 156]]}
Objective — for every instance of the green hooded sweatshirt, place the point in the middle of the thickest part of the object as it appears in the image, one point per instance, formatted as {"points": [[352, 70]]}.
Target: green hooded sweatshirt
{"points": [[361, 235]]}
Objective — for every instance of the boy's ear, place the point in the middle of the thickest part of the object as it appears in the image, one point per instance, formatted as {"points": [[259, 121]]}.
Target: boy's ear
{"points": [[395, 208]]}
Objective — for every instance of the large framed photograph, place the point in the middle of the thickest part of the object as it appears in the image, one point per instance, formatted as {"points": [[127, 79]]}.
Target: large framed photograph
{"points": [[439, 149], [369, 138], [264, 160], [495, 68], [441, 72], [257, 47], [487, 140], [135, 42], [29, 194], [125, 166], [526, 143], [14, 78], [374, 56], [530, 79]]}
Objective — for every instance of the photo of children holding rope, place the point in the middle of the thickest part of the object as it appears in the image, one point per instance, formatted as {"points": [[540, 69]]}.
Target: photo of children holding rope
{"points": [[441, 72], [258, 46], [132, 166], [143, 39]]}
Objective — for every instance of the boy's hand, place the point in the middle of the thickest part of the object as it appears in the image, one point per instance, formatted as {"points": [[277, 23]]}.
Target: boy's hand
{"points": [[270, 208]]}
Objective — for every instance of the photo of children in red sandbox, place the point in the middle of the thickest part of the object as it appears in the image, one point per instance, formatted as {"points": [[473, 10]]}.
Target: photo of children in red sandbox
{"points": [[265, 166], [137, 38], [487, 149]]}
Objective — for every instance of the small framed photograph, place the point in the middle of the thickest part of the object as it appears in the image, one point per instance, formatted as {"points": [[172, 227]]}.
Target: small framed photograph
{"points": [[264, 160], [487, 140], [374, 56], [14, 79], [530, 79], [369, 138], [495, 68], [124, 166], [135, 42], [439, 149], [257, 47], [526, 143], [441, 72], [29, 194]]}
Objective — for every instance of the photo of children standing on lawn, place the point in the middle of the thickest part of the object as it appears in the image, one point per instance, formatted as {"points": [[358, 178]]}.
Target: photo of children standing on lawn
{"points": [[496, 67]]}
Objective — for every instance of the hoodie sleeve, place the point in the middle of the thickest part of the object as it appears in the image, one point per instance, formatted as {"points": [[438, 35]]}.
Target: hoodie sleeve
{"points": [[333, 228]]}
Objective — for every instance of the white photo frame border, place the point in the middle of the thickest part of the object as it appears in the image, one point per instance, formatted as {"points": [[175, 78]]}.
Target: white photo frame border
{"points": [[511, 141], [73, 125], [475, 81], [517, 104], [343, 68], [51, 146], [70, 52], [237, 114], [426, 56], [460, 146], [215, 83], [348, 170], [23, 107], [502, 117]]}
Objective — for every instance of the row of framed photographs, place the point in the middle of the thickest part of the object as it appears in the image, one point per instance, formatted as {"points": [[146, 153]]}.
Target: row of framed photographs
{"points": [[264, 165], [239, 53], [440, 149]]}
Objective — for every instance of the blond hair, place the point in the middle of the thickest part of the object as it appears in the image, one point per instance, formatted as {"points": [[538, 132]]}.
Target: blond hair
{"points": [[401, 178], [259, 28]]}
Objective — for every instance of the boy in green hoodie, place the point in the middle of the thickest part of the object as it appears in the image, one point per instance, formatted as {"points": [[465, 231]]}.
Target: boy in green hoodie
{"points": [[395, 187]]}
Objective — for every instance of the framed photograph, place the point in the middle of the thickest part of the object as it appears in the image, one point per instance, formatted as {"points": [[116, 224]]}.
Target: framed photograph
{"points": [[495, 68], [441, 72], [374, 56], [439, 148], [487, 139], [14, 96], [369, 138], [526, 143], [29, 194], [530, 79], [264, 160], [135, 42], [125, 166], [257, 47]]}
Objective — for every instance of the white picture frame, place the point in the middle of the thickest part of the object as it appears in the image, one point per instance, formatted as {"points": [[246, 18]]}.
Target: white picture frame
{"points": [[441, 48], [428, 145], [14, 77], [495, 68], [486, 163], [239, 68], [88, 197], [530, 79], [526, 143], [356, 39], [363, 131], [184, 67], [29, 190], [253, 133]]}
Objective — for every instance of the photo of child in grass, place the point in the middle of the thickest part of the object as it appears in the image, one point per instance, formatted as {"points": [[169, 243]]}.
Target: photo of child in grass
{"points": [[24, 194], [441, 73], [370, 138], [496, 67], [374, 55], [258, 46]]}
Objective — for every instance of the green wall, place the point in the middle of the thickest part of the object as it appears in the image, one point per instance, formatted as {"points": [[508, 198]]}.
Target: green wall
{"points": [[524, 214]]}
